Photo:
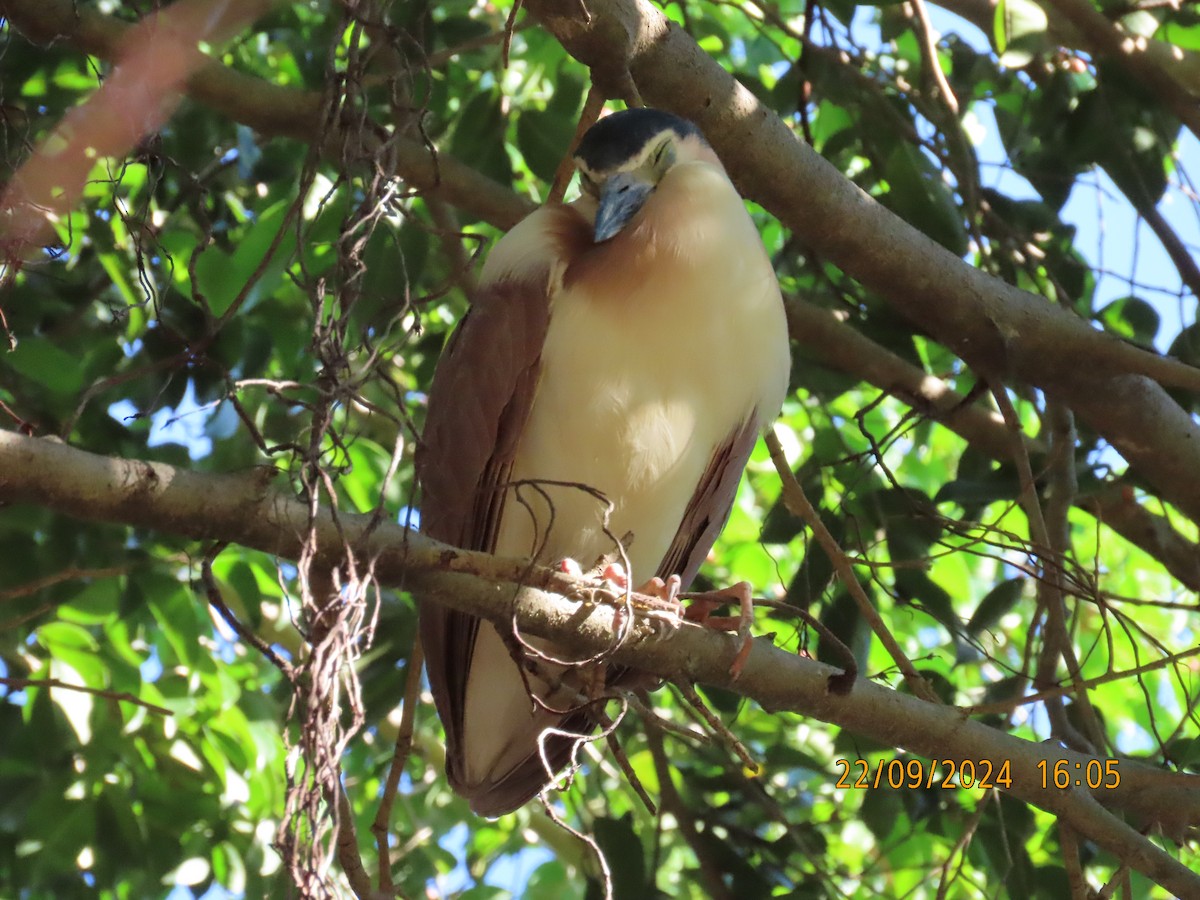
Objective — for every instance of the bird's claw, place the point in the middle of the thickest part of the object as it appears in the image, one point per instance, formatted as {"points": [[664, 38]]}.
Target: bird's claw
{"points": [[570, 567], [664, 608], [701, 609]]}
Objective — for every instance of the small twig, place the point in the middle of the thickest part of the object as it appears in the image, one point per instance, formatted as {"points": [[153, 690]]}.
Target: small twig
{"points": [[441, 57], [347, 851], [960, 848], [217, 602], [618, 752], [929, 51], [719, 728], [19, 684], [450, 236], [32, 587], [605, 871], [510, 27], [1120, 879], [838, 684], [640, 702], [1052, 558], [592, 108], [1005, 706], [714, 885], [22, 426], [797, 504], [31, 615], [1069, 842], [400, 755]]}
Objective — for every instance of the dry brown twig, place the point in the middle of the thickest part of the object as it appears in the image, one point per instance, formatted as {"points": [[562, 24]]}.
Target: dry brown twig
{"points": [[20, 684], [400, 755], [592, 108]]}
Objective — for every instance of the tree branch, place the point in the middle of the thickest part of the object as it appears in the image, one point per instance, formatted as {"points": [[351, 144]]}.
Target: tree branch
{"points": [[244, 508], [840, 346], [1181, 64], [278, 111], [1108, 39]]}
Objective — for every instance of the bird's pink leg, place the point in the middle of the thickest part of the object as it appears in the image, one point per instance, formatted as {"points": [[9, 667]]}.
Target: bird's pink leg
{"points": [[703, 605], [669, 609], [667, 591]]}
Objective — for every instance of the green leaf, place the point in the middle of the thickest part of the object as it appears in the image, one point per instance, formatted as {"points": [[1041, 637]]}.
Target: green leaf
{"points": [[94, 604], [479, 136], [907, 517], [1185, 752], [620, 844], [1186, 346], [920, 590], [1131, 318], [1122, 126], [1019, 30], [222, 277], [999, 601], [917, 193], [973, 491], [46, 363], [544, 135], [1183, 36], [550, 881]]}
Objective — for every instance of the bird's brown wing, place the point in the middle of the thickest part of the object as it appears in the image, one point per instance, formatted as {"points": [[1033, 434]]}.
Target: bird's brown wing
{"points": [[709, 507], [478, 404]]}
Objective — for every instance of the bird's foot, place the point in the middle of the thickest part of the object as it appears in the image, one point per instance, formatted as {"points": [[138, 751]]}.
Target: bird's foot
{"points": [[570, 567], [700, 612], [664, 607]]}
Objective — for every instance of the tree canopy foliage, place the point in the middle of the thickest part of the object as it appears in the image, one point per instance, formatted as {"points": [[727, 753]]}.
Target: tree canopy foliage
{"points": [[235, 269]]}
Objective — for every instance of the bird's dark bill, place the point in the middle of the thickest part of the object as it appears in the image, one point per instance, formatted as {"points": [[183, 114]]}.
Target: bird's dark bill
{"points": [[621, 197]]}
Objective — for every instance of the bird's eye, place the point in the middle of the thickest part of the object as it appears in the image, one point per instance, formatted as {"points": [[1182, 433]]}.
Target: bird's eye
{"points": [[588, 185], [661, 155]]}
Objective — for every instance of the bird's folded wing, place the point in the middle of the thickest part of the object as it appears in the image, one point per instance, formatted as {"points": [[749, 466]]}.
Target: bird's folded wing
{"points": [[478, 405], [709, 507]]}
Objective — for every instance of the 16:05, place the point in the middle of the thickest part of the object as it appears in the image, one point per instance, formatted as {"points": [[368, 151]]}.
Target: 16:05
{"points": [[1094, 773]]}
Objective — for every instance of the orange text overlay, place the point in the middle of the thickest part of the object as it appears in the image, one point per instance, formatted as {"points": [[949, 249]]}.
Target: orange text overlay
{"points": [[949, 774], [984, 774]]}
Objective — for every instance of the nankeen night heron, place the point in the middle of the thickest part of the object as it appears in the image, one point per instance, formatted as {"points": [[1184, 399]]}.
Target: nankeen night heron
{"points": [[618, 362]]}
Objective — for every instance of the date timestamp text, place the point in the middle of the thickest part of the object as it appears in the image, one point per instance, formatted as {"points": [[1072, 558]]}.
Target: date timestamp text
{"points": [[984, 774], [915, 773]]}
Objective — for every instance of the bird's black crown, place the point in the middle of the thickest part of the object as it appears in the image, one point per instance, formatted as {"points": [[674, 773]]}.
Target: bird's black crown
{"points": [[617, 138]]}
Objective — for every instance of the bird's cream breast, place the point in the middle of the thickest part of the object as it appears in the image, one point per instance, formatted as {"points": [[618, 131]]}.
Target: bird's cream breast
{"points": [[636, 395]]}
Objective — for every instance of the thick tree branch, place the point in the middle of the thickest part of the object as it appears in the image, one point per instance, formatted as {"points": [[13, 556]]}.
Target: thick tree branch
{"points": [[137, 97], [245, 509], [840, 346], [1000, 330], [1181, 65], [278, 111], [273, 110], [1107, 39]]}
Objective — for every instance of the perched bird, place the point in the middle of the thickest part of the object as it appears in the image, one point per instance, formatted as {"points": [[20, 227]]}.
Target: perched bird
{"points": [[620, 358]]}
